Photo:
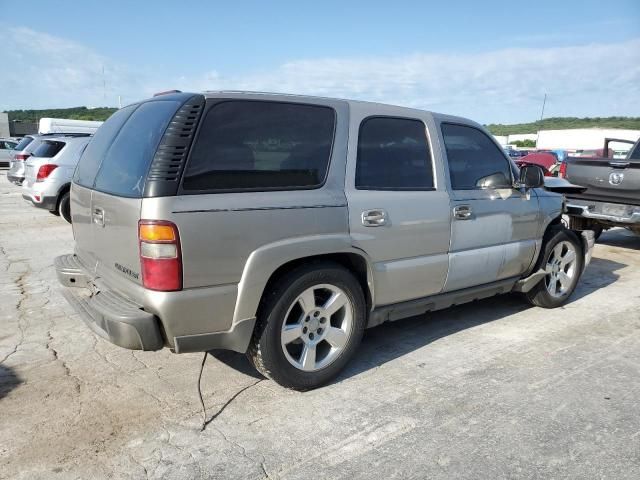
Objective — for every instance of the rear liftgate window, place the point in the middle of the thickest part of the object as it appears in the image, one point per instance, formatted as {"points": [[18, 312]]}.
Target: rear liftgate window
{"points": [[48, 149], [117, 158], [260, 145], [126, 162]]}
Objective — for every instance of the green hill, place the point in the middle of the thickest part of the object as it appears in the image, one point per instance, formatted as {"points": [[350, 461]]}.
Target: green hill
{"points": [[553, 123], [560, 123], [75, 113]]}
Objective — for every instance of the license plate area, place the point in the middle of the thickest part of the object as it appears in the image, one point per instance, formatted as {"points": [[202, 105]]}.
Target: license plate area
{"points": [[615, 210]]}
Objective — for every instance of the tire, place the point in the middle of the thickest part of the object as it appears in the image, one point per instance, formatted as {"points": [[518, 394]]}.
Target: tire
{"points": [[302, 340], [64, 207], [564, 268]]}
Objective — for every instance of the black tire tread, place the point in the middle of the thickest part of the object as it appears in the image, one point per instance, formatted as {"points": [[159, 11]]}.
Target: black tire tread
{"points": [[538, 295], [255, 353]]}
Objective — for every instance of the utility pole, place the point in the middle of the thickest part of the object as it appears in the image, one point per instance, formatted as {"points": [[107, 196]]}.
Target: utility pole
{"points": [[543, 104]]}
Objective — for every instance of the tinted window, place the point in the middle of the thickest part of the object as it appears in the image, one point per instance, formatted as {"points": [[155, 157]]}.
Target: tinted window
{"points": [[474, 160], [125, 165], [23, 143], [635, 155], [393, 155], [255, 145], [89, 164], [48, 149]]}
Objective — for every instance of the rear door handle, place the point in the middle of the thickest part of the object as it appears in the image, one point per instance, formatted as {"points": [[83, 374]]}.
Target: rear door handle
{"points": [[462, 212], [98, 216], [374, 218]]}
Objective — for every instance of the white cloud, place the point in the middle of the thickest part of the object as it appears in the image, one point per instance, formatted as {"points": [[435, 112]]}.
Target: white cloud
{"points": [[497, 86]]}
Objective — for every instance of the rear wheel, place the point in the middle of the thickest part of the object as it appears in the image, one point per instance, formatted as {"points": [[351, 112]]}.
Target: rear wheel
{"points": [[309, 326], [563, 261], [64, 207]]}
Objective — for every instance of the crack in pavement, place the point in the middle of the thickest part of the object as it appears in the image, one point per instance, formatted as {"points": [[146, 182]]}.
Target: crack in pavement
{"points": [[19, 282]]}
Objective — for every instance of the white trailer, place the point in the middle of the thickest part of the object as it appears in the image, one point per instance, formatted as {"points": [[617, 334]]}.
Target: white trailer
{"points": [[63, 125]]}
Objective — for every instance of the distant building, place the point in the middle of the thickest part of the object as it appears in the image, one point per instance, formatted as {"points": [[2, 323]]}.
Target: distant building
{"points": [[573, 139], [15, 129], [4, 125], [582, 138]]}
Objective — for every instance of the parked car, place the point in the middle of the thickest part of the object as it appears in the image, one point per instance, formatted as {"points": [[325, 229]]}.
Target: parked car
{"points": [[48, 128], [48, 173], [547, 160], [612, 195], [6, 147], [283, 226], [20, 153]]}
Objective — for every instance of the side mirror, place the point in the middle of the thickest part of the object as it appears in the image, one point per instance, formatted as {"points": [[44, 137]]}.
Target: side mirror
{"points": [[531, 176]]}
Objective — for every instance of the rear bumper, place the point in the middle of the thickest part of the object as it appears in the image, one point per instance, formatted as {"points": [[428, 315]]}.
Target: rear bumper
{"points": [[106, 313], [128, 325], [17, 179], [597, 211], [47, 203]]}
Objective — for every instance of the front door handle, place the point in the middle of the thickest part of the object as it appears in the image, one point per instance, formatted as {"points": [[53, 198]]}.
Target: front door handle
{"points": [[98, 216], [462, 212], [374, 218]]}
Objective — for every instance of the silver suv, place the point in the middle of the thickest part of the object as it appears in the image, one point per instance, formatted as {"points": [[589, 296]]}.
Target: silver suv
{"points": [[48, 173], [283, 226], [25, 149]]}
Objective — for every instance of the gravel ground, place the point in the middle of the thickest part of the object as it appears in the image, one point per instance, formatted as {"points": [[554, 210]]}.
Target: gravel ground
{"points": [[493, 389]]}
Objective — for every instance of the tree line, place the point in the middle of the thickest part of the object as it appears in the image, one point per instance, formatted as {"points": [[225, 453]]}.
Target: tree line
{"points": [[552, 123]]}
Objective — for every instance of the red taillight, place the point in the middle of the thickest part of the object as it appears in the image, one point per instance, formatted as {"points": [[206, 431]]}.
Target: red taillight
{"points": [[44, 171], [562, 173], [160, 255], [21, 157]]}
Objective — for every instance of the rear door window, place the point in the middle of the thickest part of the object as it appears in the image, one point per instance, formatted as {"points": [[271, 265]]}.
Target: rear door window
{"points": [[475, 162], [89, 164], [393, 154], [126, 162], [261, 145], [48, 148]]}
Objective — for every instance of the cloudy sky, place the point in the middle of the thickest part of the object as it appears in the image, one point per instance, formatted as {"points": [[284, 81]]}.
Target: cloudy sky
{"points": [[492, 61]]}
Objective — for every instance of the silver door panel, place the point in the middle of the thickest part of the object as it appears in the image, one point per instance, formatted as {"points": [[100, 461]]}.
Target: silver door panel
{"points": [[409, 278]]}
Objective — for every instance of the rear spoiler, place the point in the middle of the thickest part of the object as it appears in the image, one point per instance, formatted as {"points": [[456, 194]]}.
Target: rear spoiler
{"points": [[560, 185]]}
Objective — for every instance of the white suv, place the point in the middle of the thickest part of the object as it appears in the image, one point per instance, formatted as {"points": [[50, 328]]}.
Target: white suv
{"points": [[48, 173]]}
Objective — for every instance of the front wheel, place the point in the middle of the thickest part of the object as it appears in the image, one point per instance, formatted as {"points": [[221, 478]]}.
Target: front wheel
{"points": [[309, 326], [563, 261]]}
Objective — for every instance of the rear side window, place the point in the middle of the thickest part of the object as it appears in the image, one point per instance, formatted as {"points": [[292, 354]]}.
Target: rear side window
{"points": [[635, 155], [475, 162], [393, 154], [89, 164], [126, 162], [259, 145], [48, 148], [22, 144]]}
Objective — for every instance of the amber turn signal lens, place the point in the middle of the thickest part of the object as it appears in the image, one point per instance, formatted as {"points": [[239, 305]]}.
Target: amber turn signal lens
{"points": [[156, 233]]}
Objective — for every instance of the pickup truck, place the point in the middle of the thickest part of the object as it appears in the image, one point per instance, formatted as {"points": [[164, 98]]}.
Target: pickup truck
{"points": [[612, 194], [282, 226]]}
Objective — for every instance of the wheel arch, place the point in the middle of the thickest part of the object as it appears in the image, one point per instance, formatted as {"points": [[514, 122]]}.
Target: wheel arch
{"points": [[269, 263]]}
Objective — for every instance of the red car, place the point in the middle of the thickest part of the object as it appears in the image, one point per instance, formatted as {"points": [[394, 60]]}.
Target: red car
{"points": [[546, 160]]}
